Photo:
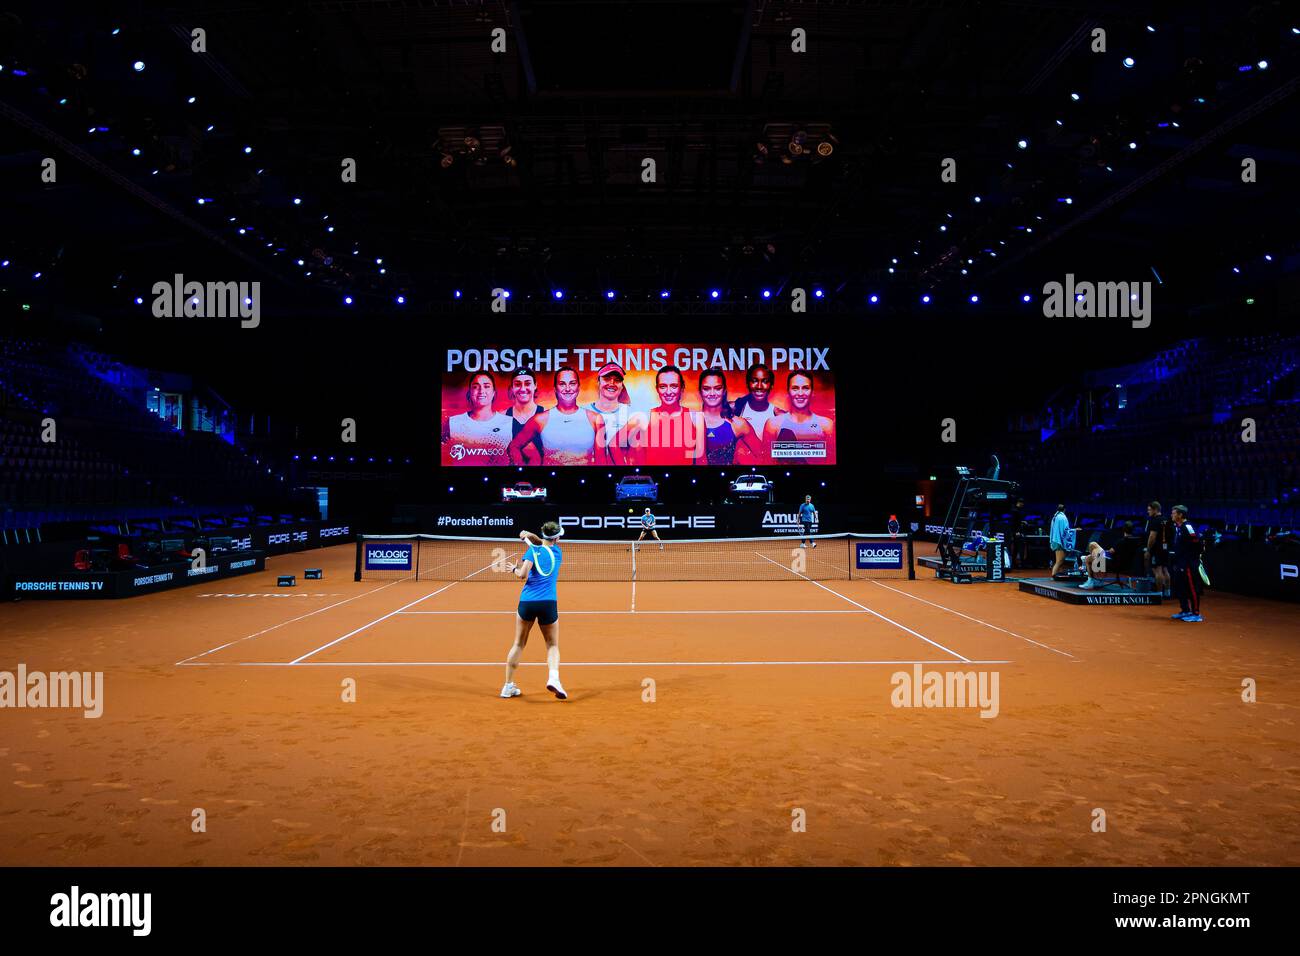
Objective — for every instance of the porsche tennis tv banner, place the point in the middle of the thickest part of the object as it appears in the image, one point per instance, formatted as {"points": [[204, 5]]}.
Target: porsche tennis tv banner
{"points": [[639, 405]]}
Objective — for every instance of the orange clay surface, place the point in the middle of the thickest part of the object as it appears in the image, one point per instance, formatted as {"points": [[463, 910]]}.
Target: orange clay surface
{"points": [[1116, 708]]}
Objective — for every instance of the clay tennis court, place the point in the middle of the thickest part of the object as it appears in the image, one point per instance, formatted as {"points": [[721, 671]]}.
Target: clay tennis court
{"points": [[769, 696]]}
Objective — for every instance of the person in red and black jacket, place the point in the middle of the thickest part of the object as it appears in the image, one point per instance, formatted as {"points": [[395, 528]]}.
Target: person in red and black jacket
{"points": [[1185, 567]]}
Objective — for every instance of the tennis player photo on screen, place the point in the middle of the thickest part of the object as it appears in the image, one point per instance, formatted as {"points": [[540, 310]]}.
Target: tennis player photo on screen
{"points": [[657, 405]]}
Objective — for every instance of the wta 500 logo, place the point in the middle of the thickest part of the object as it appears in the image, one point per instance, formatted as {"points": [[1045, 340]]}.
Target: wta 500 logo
{"points": [[459, 451]]}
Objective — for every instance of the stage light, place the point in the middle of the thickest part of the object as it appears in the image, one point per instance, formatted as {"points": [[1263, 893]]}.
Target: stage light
{"points": [[714, 294], [242, 230], [136, 151], [330, 229], [925, 299], [1262, 64], [891, 270], [1022, 143], [873, 298], [609, 293], [974, 298], [943, 228], [401, 300], [138, 66], [818, 293], [767, 293], [1237, 269], [1132, 145], [965, 272], [973, 199], [457, 294], [139, 300], [379, 262], [297, 201], [664, 294], [1026, 298], [1129, 62], [37, 275], [211, 128], [559, 294], [301, 263], [192, 100], [1245, 68], [116, 30], [1075, 97], [347, 300], [1267, 257]]}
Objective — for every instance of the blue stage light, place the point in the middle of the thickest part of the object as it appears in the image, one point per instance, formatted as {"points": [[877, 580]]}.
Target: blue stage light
{"points": [[713, 294], [1026, 298], [297, 201], [1022, 143], [192, 100], [818, 293], [925, 299], [609, 294], [347, 300], [559, 294], [974, 298], [138, 66], [1129, 62], [664, 294], [873, 298], [247, 150], [767, 293], [401, 300]]}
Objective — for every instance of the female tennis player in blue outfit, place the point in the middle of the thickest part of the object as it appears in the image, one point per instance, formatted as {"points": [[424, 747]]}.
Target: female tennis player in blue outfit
{"points": [[539, 569]]}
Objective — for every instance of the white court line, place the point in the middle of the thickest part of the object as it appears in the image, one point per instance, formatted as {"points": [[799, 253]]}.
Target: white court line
{"points": [[976, 620], [290, 621], [868, 610], [635, 611], [379, 620], [568, 663]]}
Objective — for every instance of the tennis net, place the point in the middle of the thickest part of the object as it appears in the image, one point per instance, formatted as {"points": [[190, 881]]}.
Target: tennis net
{"points": [[836, 557]]}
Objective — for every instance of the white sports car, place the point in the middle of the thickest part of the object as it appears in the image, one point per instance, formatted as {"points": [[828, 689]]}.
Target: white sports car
{"points": [[522, 491], [752, 487]]}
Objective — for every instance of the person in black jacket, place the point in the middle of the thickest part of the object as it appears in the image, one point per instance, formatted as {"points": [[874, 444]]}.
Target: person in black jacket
{"points": [[1185, 567]]}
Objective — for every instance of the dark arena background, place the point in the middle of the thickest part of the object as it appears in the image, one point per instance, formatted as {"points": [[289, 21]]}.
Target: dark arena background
{"points": [[916, 387]]}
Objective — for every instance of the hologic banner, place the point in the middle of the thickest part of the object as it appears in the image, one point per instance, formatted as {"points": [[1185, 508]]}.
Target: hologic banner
{"points": [[389, 557], [656, 405], [872, 555]]}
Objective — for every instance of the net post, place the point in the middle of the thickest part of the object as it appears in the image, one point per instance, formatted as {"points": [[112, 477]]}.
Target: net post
{"points": [[419, 546], [911, 565], [357, 574]]}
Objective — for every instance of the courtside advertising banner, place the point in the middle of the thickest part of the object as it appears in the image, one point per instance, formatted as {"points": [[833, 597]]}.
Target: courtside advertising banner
{"points": [[390, 557], [876, 555], [657, 405]]}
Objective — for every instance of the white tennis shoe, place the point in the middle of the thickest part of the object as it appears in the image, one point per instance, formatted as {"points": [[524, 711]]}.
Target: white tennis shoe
{"points": [[511, 690], [556, 688]]}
